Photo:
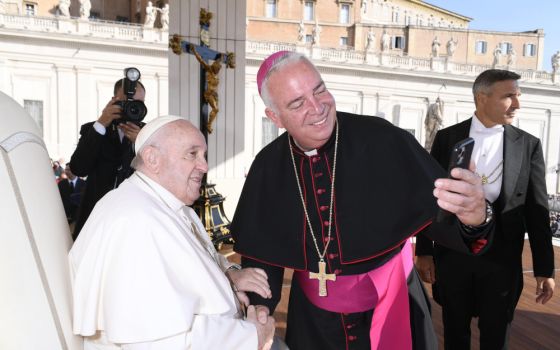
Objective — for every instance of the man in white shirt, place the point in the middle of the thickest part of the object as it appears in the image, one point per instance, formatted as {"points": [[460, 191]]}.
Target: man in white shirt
{"points": [[145, 274], [511, 168]]}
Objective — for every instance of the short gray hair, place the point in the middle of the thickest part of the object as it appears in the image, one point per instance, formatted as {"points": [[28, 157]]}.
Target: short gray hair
{"points": [[486, 79], [288, 58]]}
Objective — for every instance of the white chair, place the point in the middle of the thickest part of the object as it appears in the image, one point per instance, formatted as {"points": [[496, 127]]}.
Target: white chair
{"points": [[35, 291]]}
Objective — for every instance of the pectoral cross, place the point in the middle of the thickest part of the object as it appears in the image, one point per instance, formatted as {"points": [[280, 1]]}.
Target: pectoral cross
{"points": [[322, 276]]}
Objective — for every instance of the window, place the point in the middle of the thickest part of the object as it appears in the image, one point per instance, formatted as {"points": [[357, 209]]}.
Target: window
{"points": [[309, 38], [481, 47], [345, 13], [344, 41], [30, 9], [505, 48], [309, 11], [530, 50], [271, 7], [35, 110], [269, 131], [397, 42]]}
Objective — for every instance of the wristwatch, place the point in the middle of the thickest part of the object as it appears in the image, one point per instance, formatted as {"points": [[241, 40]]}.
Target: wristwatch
{"points": [[234, 267]]}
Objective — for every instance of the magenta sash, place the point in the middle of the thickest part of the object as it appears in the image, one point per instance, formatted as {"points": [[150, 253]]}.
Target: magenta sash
{"points": [[384, 289]]}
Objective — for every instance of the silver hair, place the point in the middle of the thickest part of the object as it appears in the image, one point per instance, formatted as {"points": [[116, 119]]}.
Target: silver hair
{"points": [[288, 58]]}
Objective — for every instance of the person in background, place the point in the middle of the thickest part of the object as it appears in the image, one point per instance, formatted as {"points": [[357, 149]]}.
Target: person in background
{"points": [[510, 165], [104, 152], [70, 190]]}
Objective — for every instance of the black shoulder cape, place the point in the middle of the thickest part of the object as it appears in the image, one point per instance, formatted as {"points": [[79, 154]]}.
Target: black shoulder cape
{"points": [[383, 192]]}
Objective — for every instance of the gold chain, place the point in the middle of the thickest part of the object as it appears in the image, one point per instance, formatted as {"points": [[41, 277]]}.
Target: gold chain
{"points": [[486, 179], [321, 256]]}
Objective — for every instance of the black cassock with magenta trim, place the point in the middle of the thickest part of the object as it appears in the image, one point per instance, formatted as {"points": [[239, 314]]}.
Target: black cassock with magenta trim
{"points": [[383, 195]]}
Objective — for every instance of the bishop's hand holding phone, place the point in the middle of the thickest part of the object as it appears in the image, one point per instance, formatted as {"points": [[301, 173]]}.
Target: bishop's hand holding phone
{"points": [[460, 158]]}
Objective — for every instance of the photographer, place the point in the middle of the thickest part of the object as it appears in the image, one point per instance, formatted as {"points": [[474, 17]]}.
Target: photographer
{"points": [[105, 148]]}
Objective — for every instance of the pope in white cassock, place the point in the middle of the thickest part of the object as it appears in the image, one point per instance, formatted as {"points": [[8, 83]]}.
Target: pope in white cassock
{"points": [[145, 274]]}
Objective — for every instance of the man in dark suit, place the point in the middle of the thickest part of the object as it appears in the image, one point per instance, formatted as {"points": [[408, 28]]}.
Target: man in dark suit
{"points": [[511, 166], [104, 152], [70, 189]]}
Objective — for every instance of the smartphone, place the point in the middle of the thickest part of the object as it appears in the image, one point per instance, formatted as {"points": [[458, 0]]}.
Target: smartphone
{"points": [[460, 158]]}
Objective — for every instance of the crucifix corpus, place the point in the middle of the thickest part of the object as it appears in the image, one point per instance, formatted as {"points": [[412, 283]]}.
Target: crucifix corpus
{"points": [[209, 72], [209, 206], [322, 276]]}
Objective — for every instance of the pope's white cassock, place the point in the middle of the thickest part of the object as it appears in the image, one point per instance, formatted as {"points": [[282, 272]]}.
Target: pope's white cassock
{"points": [[143, 278]]}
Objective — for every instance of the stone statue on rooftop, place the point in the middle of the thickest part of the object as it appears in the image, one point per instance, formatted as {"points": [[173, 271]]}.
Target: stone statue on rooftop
{"points": [[85, 8], [164, 17], [555, 61], [64, 8], [435, 47], [385, 41], [151, 13]]}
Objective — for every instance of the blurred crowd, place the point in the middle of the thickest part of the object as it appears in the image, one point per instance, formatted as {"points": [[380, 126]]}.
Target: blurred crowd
{"points": [[554, 205], [70, 187]]}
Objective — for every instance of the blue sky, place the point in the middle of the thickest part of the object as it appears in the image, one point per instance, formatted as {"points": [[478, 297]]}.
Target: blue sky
{"points": [[512, 16]]}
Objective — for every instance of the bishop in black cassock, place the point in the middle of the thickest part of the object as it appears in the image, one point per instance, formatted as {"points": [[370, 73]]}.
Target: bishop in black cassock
{"points": [[344, 193]]}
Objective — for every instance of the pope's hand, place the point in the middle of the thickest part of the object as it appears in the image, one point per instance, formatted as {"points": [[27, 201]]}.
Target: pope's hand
{"points": [[250, 280]]}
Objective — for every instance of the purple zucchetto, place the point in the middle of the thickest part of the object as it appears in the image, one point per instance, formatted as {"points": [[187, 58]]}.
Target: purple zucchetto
{"points": [[267, 64]]}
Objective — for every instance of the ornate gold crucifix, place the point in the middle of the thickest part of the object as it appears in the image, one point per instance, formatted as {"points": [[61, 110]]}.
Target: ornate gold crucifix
{"points": [[322, 276]]}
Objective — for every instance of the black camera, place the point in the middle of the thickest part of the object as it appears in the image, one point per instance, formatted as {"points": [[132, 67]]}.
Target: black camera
{"points": [[132, 110]]}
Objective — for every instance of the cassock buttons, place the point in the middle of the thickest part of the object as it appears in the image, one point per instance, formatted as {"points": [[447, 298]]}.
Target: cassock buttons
{"points": [[318, 175], [321, 191], [315, 159], [326, 223], [333, 255], [337, 271], [324, 207], [352, 337]]}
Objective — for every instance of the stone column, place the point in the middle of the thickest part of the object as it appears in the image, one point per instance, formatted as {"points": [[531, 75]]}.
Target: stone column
{"points": [[67, 89]]}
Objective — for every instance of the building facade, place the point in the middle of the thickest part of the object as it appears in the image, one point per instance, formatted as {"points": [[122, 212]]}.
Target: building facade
{"points": [[127, 11], [62, 69], [410, 28]]}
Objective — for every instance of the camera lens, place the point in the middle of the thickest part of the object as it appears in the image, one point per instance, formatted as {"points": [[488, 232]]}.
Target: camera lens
{"points": [[135, 110]]}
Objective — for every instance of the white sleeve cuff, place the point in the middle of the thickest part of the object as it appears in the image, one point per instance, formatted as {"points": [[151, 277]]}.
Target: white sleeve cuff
{"points": [[99, 128]]}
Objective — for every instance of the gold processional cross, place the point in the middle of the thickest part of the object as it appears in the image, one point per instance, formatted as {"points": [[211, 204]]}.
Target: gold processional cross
{"points": [[323, 277]]}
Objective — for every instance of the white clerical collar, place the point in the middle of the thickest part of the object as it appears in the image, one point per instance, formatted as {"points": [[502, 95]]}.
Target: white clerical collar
{"points": [[478, 127], [167, 197], [309, 153]]}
